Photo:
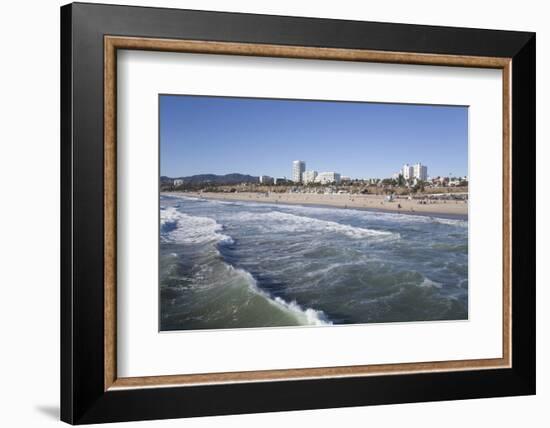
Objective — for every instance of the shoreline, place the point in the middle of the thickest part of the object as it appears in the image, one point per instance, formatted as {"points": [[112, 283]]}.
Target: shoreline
{"points": [[375, 203]]}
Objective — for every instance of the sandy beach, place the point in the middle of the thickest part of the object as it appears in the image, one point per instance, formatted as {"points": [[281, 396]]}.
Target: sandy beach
{"points": [[370, 202]]}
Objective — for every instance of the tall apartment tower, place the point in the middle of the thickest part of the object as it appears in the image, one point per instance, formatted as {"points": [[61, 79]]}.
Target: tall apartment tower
{"points": [[298, 168], [420, 171], [407, 172]]}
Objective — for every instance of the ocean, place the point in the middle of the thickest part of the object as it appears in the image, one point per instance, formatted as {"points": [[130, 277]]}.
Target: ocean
{"points": [[243, 265]]}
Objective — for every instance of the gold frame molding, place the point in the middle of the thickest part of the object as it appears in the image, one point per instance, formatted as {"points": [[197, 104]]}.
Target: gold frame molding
{"points": [[113, 43]]}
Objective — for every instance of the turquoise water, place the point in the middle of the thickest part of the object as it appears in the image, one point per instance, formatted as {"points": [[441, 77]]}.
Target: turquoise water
{"points": [[240, 264]]}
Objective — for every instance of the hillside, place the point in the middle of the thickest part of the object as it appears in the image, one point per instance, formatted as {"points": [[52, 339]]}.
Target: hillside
{"points": [[234, 178]]}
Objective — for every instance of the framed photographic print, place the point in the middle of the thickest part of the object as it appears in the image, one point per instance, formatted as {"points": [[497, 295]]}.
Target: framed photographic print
{"points": [[320, 213]]}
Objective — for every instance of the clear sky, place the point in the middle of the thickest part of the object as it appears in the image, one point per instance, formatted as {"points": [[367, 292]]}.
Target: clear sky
{"points": [[221, 135]]}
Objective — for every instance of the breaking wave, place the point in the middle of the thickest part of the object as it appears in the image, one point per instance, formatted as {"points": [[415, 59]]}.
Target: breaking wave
{"points": [[450, 221], [305, 316], [181, 228], [178, 227], [292, 223]]}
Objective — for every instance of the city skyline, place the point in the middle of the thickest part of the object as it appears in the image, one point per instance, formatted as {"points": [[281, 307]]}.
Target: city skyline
{"points": [[221, 135]]}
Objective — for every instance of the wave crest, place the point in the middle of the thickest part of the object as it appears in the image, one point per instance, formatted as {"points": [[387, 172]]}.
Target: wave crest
{"points": [[186, 229], [293, 223], [450, 221], [305, 316]]}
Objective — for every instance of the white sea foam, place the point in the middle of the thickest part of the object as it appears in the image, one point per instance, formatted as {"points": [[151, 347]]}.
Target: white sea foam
{"points": [[429, 283], [407, 218], [197, 199], [309, 315], [190, 229], [306, 316], [450, 221], [400, 218], [292, 223], [411, 218]]}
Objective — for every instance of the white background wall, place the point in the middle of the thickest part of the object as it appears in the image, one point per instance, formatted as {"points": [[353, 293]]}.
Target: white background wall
{"points": [[29, 213]]}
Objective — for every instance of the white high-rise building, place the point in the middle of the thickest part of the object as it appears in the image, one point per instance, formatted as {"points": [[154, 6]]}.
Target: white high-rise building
{"points": [[407, 171], [309, 176], [298, 168], [328, 178], [420, 172]]}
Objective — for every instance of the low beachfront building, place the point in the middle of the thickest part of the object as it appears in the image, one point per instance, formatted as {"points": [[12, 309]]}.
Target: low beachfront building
{"points": [[178, 182], [266, 179], [281, 180], [309, 176], [328, 178]]}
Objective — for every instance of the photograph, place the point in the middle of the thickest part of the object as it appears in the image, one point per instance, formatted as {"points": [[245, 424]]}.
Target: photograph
{"points": [[288, 212]]}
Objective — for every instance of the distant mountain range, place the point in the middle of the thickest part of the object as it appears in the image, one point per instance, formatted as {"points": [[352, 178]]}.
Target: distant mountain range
{"points": [[212, 178]]}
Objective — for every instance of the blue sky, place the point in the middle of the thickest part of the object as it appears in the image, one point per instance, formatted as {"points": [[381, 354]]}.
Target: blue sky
{"points": [[221, 135]]}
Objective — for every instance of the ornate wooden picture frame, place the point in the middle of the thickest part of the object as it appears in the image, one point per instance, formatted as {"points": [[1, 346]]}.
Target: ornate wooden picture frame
{"points": [[91, 389]]}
